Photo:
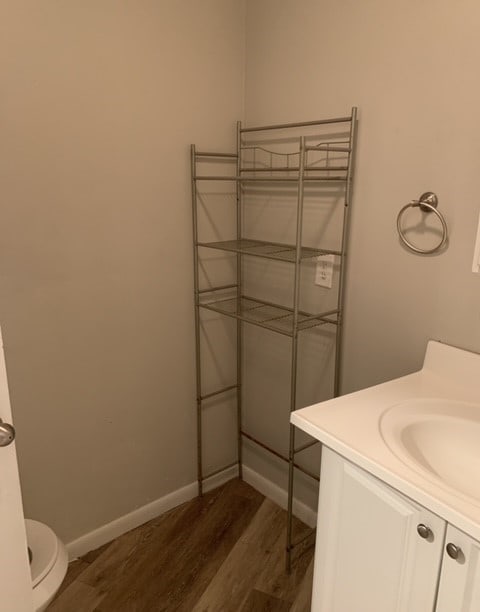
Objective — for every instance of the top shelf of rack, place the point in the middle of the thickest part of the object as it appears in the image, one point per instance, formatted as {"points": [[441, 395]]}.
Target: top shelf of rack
{"points": [[322, 161], [316, 151]]}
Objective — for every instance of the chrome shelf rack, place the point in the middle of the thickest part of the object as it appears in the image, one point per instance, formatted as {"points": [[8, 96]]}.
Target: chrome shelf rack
{"points": [[324, 155]]}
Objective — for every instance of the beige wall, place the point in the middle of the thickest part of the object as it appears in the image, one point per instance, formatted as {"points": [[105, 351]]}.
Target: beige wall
{"points": [[99, 103], [412, 69]]}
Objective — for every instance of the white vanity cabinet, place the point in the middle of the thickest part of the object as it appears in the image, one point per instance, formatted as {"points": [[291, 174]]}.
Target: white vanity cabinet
{"points": [[369, 556], [378, 548], [378, 551]]}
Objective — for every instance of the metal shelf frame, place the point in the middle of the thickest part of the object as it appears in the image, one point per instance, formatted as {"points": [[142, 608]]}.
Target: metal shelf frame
{"points": [[250, 163]]}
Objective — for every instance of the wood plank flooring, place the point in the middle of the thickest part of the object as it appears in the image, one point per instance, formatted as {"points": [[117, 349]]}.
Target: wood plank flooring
{"points": [[221, 553]]}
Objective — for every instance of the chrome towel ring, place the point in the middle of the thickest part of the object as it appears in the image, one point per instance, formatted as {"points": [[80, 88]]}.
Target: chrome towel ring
{"points": [[427, 202]]}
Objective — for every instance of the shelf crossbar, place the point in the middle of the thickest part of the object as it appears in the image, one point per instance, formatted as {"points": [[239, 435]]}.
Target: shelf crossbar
{"points": [[296, 168], [271, 179], [277, 454], [303, 447], [219, 392], [283, 126], [219, 288], [231, 156]]}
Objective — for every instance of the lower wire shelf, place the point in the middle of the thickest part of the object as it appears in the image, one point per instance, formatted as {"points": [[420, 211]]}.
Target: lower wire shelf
{"points": [[268, 315]]}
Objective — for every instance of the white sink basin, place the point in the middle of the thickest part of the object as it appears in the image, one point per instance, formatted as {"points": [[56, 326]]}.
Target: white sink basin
{"points": [[439, 438]]}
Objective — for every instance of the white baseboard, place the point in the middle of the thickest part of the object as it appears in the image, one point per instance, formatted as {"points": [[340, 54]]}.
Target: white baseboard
{"points": [[279, 496], [110, 531]]}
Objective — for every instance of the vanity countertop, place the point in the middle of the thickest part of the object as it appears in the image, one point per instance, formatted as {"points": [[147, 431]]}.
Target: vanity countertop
{"points": [[350, 425]]}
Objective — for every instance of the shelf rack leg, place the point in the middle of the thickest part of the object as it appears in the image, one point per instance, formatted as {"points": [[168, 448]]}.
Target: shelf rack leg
{"points": [[197, 323], [291, 474], [341, 280], [293, 377], [239, 295]]}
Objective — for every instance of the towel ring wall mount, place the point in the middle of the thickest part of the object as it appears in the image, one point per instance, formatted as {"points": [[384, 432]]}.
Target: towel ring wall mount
{"points": [[427, 203]]}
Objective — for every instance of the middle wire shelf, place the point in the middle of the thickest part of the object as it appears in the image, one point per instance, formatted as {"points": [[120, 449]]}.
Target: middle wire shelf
{"points": [[268, 250], [269, 315]]}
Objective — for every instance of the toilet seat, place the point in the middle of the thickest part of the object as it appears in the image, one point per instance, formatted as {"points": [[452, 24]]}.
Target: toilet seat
{"points": [[44, 546], [49, 563]]}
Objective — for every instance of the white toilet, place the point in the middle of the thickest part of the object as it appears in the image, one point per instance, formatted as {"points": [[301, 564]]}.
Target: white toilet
{"points": [[49, 562]]}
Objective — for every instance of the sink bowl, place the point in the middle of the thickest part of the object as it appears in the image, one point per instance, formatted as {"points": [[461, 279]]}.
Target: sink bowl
{"points": [[438, 438]]}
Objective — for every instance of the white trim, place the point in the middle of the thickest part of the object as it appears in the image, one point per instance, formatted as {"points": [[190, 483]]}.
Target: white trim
{"points": [[279, 496], [110, 531]]}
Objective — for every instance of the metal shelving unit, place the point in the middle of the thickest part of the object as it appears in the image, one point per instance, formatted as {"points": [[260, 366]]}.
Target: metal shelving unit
{"points": [[324, 154]]}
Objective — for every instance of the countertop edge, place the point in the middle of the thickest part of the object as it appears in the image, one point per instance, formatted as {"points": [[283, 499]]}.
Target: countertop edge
{"points": [[398, 482]]}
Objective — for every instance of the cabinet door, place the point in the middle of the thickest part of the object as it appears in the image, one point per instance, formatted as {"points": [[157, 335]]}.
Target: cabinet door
{"points": [[369, 556], [459, 588]]}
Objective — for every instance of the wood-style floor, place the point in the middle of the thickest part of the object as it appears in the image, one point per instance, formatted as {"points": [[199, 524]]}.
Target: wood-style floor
{"points": [[224, 552]]}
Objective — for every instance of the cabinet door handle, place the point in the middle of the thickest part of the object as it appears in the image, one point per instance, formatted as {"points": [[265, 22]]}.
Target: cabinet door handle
{"points": [[453, 551], [424, 531]]}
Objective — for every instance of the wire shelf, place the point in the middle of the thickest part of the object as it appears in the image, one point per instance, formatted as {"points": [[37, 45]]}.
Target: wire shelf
{"points": [[268, 250], [270, 316]]}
